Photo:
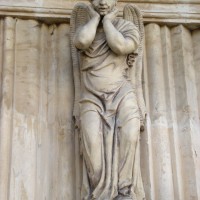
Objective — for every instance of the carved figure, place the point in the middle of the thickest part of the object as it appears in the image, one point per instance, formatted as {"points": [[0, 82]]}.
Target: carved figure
{"points": [[109, 107]]}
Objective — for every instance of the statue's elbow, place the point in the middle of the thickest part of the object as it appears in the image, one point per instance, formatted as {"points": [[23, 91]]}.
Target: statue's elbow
{"points": [[123, 48], [129, 47], [120, 50], [81, 44], [117, 48]]}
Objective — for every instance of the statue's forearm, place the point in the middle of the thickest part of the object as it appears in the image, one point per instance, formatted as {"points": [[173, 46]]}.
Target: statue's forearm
{"points": [[116, 40], [85, 35]]}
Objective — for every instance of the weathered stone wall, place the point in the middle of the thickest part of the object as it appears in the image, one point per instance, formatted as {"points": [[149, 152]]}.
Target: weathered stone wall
{"points": [[37, 145], [171, 141], [38, 148]]}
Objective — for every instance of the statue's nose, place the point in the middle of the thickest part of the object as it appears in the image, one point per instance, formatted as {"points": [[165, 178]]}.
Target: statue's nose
{"points": [[102, 2]]}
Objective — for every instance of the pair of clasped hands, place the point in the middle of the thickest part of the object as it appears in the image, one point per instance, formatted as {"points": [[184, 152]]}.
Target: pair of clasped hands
{"points": [[110, 15]]}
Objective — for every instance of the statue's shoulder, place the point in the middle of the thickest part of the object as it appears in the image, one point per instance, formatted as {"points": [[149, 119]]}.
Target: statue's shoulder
{"points": [[122, 21], [123, 24]]}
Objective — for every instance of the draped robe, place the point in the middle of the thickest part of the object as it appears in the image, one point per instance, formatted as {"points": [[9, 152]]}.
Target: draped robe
{"points": [[107, 93]]}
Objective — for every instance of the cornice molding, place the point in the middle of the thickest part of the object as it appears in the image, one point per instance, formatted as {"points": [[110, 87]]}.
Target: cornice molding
{"points": [[164, 2], [162, 13]]}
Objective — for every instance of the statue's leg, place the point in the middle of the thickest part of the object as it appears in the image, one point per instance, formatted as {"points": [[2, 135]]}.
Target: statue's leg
{"points": [[91, 128], [128, 116]]}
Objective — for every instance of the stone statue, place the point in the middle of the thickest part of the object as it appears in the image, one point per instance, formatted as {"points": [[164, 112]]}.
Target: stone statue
{"points": [[109, 106]]}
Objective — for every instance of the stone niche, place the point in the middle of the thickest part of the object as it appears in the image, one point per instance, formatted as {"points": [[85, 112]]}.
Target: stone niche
{"points": [[39, 150]]}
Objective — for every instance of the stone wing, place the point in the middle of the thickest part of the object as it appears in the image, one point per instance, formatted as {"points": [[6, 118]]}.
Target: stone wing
{"points": [[133, 14], [79, 17]]}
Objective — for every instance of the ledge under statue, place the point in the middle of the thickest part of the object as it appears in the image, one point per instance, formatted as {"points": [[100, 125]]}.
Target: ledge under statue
{"points": [[109, 108]]}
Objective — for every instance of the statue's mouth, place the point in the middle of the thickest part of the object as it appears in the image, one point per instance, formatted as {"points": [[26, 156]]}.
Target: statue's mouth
{"points": [[103, 9]]}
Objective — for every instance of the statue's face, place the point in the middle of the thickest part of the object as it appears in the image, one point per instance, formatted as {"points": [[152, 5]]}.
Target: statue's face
{"points": [[103, 7]]}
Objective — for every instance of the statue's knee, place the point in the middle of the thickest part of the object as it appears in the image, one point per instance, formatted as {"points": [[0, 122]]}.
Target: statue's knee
{"points": [[131, 132], [90, 123], [132, 137]]}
